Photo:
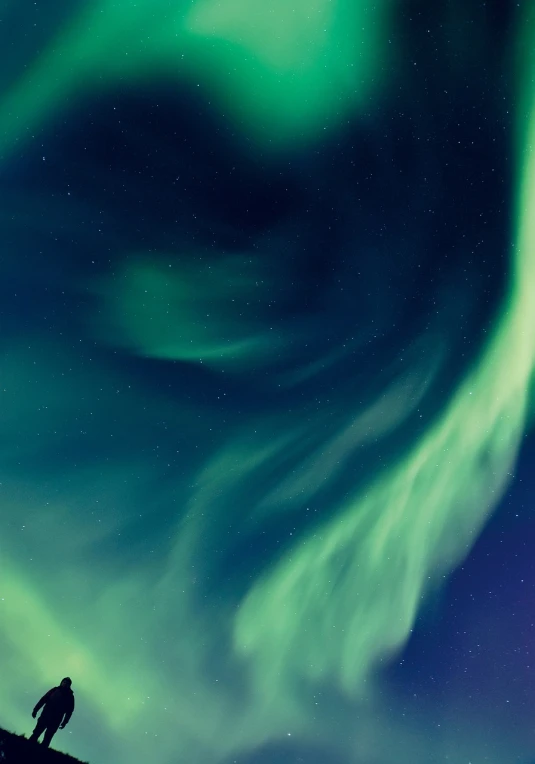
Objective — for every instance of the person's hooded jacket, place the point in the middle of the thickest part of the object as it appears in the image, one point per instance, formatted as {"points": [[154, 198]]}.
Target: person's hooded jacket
{"points": [[58, 705]]}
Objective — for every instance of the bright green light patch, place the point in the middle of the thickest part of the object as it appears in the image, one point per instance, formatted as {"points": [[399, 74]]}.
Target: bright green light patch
{"points": [[290, 69]]}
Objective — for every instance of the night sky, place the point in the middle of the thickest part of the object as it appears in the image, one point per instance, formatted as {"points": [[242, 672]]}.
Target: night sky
{"points": [[267, 326]]}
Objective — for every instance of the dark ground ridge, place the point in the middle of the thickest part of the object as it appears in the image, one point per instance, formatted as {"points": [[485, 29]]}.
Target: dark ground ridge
{"points": [[17, 749]]}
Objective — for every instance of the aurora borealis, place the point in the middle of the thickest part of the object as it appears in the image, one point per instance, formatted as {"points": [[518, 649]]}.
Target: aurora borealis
{"points": [[267, 378]]}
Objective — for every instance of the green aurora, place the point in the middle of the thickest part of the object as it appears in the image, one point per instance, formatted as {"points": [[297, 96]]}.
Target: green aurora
{"points": [[344, 597], [283, 70]]}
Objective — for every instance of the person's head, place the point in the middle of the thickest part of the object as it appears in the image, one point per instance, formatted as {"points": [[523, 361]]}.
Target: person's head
{"points": [[65, 683]]}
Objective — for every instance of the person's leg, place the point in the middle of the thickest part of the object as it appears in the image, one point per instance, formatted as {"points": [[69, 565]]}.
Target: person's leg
{"points": [[51, 729], [38, 731]]}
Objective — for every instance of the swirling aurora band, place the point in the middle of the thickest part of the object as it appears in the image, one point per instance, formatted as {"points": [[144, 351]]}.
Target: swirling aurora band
{"points": [[348, 592]]}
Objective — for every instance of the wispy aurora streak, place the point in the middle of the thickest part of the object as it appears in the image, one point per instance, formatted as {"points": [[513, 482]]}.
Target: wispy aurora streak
{"points": [[412, 525], [347, 593], [282, 69]]}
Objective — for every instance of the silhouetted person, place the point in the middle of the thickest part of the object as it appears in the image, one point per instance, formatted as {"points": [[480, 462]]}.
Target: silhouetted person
{"points": [[58, 707]]}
